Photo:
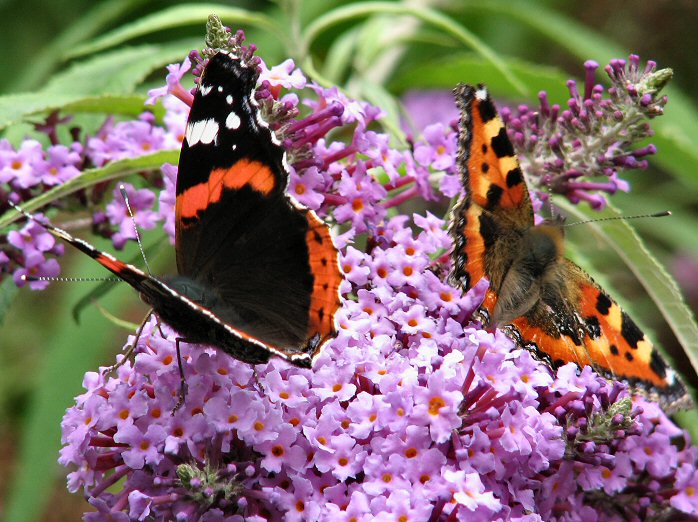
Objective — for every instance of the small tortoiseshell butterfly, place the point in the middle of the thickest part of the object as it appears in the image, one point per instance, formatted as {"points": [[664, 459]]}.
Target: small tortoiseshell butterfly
{"points": [[542, 300], [258, 273]]}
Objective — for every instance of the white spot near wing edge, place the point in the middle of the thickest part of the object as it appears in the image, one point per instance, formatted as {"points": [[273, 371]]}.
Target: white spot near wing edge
{"points": [[204, 131]]}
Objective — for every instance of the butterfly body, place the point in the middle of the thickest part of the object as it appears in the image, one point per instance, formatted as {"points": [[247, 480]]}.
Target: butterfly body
{"points": [[544, 301]]}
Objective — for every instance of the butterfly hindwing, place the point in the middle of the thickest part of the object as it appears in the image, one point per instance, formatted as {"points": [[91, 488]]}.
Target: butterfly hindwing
{"points": [[543, 301]]}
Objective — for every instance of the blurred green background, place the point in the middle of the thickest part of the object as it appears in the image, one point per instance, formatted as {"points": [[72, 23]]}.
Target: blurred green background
{"points": [[378, 51]]}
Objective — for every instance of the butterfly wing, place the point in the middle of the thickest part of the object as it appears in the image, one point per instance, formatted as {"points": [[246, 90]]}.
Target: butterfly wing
{"points": [[496, 209], [269, 266]]}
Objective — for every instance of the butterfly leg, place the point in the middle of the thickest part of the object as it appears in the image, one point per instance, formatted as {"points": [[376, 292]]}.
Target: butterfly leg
{"points": [[182, 380], [128, 355]]}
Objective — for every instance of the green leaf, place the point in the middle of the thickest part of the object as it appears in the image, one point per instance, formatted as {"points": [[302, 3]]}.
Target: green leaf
{"points": [[127, 105], [90, 23], [114, 170], [471, 68], [431, 17], [116, 72], [15, 108], [176, 17], [84, 87], [660, 286], [339, 55]]}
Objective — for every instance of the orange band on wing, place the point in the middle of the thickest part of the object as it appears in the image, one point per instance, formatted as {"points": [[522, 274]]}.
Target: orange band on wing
{"points": [[323, 261], [243, 173]]}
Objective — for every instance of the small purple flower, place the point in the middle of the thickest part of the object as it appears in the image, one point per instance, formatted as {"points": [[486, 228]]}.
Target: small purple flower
{"points": [[18, 168], [141, 202], [469, 493], [175, 73], [343, 458], [439, 149], [437, 407], [283, 75], [305, 187], [143, 446]]}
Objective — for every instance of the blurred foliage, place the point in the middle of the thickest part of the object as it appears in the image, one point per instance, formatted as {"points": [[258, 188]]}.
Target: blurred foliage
{"points": [[100, 58]]}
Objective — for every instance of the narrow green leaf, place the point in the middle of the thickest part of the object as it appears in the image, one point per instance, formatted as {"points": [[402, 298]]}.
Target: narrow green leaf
{"points": [[85, 86], [339, 55], [659, 285], [126, 105], [174, 17], [15, 108], [114, 170], [470, 68], [90, 23]]}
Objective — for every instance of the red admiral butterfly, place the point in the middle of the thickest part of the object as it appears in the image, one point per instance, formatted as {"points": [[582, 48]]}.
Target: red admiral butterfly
{"points": [[258, 272]]}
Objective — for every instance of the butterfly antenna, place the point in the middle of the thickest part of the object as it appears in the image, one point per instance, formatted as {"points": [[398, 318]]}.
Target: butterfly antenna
{"points": [[639, 216], [124, 195], [30, 278]]}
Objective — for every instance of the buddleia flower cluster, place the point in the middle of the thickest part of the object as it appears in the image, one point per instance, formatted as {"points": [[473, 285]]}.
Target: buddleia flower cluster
{"points": [[413, 412], [579, 151]]}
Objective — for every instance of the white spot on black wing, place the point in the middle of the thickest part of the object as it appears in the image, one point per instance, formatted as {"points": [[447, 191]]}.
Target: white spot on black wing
{"points": [[232, 121]]}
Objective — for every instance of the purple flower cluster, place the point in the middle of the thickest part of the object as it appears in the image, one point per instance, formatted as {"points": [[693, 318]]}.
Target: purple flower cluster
{"points": [[413, 412], [595, 136], [31, 169], [407, 416]]}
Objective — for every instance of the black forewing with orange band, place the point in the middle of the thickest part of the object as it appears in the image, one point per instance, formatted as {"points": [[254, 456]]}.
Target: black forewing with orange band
{"points": [[239, 235]]}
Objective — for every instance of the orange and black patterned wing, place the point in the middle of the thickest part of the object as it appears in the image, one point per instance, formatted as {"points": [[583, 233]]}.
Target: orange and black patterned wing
{"points": [[496, 208], [588, 327]]}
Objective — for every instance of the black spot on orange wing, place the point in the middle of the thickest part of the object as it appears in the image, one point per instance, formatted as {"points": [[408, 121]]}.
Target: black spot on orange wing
{"points": [[494, 196], [487, 110], [603, 303], [501, 145], [630, 331], [514, 177], [593, 327], [658, 365]]}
